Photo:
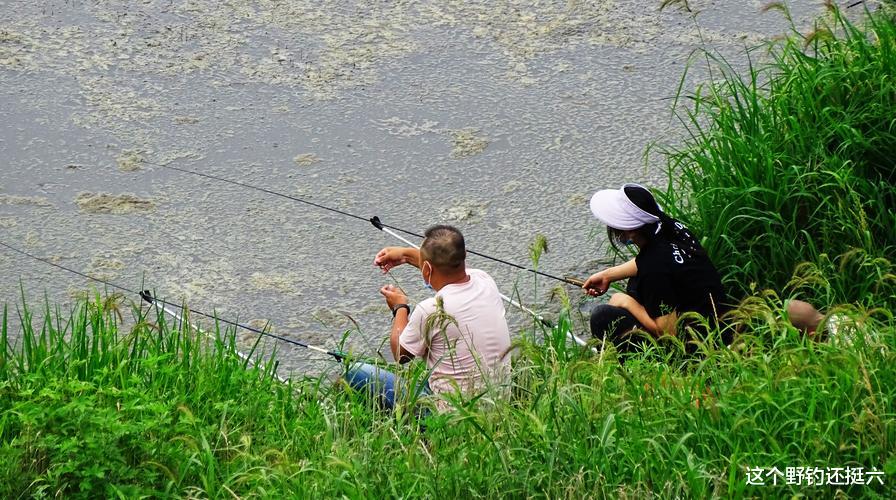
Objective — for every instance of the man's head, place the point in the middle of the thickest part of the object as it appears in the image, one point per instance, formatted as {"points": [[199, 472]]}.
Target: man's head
{"points": [[443, 253]]}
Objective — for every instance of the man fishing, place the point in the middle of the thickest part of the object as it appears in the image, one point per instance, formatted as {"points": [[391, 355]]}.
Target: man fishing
{"points": [[460, 332]]}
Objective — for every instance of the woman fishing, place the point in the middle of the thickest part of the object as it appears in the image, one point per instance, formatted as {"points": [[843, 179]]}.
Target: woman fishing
{"points": [[670, 275]]}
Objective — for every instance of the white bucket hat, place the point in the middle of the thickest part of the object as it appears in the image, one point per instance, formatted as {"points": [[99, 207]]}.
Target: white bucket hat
{"points": [[613, 208]]}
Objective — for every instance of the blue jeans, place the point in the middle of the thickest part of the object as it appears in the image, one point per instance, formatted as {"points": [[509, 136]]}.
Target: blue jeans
{"points": [[381, 384]]}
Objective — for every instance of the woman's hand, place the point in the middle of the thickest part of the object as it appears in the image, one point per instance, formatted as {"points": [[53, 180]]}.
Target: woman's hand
{"points": [[667, 324], [598, 283], [634, 307]]}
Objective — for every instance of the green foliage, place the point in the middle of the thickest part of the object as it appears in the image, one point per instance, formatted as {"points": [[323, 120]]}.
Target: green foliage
{"points": [[783, 170], [793, 161], [537, 248], [88, 410]]}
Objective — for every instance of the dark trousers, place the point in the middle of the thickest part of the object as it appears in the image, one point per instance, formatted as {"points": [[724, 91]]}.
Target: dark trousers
{"points": [[616, 324]]}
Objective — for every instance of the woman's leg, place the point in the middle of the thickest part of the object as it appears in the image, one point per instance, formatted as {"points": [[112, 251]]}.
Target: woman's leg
{"points": [[615, 324]]}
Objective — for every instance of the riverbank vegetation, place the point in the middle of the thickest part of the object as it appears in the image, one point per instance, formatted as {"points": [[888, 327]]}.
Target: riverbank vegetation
{"points": [[86, 409], [792, 162], [787, 176]]}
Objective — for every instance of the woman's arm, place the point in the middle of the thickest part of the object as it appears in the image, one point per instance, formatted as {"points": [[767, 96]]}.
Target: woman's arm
{"points": [[662, 325], [598, 283]]}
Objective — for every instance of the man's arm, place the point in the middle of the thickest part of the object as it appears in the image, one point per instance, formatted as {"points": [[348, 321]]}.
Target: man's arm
{"points": [[390, 257], [395, 297], [398, 325]]}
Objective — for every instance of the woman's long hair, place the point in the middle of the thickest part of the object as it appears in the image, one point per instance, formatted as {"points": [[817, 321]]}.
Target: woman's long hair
{"points": [[667, 228]]}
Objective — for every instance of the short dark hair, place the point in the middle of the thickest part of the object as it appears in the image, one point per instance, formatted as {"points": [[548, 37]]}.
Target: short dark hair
{"points": [[444, 248]]}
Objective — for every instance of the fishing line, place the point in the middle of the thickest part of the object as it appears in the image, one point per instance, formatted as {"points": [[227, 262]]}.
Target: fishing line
{"points": [[507, 299], [177, 317], [377, 223], [147, 296], [163, 307]]}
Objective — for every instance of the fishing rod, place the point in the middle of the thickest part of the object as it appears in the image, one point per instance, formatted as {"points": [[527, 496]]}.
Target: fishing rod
{"points": [[538, 317], [160, 305], [377, 223], [337, 355], [147, 296], [373, 220]]}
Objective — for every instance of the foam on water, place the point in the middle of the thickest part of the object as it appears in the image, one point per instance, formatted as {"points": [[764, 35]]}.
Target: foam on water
{"points": [[498, 116]]}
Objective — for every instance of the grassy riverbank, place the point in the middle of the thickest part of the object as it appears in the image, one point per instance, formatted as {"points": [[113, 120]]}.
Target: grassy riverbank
{"points": [[788, 166], [158, 410]]}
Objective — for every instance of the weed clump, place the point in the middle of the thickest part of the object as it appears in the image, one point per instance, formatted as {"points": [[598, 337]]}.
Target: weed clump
{"points": [[793, 161], [130, 160], [466, 143], [104, 203]]}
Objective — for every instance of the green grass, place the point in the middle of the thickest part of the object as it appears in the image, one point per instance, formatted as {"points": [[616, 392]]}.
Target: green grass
{"points": [[792, 160], [783, 169], [158, 409]]}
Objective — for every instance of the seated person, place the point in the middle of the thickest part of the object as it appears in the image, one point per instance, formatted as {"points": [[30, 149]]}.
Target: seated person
{"points": [[670, 275], [460, 332]]}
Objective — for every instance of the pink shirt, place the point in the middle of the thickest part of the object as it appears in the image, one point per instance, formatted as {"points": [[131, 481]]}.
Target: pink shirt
{"points": [[470, 351]]}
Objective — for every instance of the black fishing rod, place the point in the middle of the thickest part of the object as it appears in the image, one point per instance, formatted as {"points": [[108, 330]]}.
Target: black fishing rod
{"points": [[337, 355], [147, 296], [377, 223]]}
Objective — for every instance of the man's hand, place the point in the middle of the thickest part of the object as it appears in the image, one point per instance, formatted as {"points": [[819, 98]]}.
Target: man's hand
{"points": [[597, 283], [390, 257], [394, 296]]}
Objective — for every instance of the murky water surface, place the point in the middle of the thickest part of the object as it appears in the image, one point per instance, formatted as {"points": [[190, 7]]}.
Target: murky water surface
{"points": [[500, 117]]}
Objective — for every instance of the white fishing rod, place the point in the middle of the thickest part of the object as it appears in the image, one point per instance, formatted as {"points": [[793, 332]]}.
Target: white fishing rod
{"points": [[162, 306], [376, 223], [337, 355], [374, 220]]}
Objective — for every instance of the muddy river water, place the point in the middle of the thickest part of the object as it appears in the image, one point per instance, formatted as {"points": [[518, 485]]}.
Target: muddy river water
{"points": [[500, 117]]}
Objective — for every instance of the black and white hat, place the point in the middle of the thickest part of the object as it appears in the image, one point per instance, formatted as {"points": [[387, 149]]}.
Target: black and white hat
{"points": [[614, 208]]}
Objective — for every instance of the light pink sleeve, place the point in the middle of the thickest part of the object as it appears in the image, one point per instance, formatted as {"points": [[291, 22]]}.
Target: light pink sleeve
{"points": [[411, 338]]}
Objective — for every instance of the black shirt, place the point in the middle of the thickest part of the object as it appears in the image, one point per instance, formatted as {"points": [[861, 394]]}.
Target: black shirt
{"points": [[671, 279]]}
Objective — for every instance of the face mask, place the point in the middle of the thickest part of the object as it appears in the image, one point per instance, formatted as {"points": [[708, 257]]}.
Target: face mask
{"points": [[426, 284], [626, 241], [621, 237]]}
